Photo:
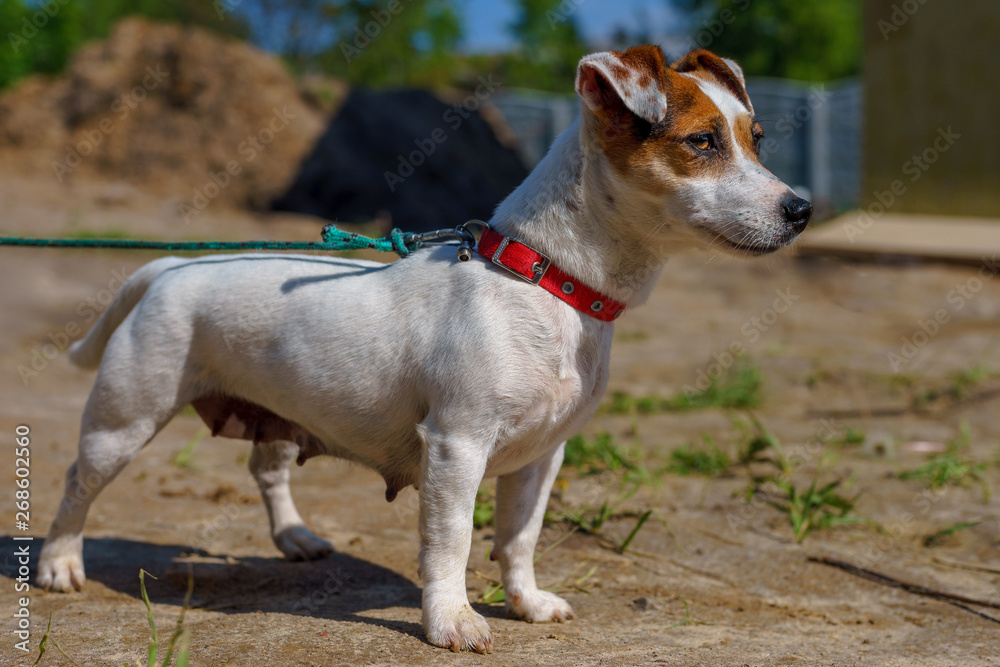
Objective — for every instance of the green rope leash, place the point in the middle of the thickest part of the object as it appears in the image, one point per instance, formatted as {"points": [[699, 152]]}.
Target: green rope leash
{"points": [[333, 239]]}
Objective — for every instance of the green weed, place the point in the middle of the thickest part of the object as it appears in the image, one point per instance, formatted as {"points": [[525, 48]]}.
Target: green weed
{"points": [[814, 509], [851, 436], [179, 641], [740, 388], [597, 455], [707, 460], [760, 446], [180, 637], [635, 531], [44, 645], [183, 458], [951, 467], [958, 387], [485, 510], [938, 537]]}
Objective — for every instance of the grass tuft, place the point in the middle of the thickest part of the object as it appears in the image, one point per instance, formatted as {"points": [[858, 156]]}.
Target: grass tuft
{"points": [[597, 455], [937, 538], [707, 460], [739, 389], [951, 467], [485, 510]]}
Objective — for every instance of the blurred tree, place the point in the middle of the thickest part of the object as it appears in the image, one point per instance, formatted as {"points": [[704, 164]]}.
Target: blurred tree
{"points": [[40, 37], [549, 45], [392, 43], [810, 41]]}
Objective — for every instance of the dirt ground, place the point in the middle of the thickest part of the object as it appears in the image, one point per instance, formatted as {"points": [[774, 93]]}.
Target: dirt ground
{"points": [[708, 580]]}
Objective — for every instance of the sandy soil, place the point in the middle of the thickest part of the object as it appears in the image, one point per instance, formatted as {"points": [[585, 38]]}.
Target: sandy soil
{"points": [[709, 580]]}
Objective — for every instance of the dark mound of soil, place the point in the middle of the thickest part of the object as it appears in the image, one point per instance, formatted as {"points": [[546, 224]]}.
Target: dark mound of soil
{"points": [[408, 156]]}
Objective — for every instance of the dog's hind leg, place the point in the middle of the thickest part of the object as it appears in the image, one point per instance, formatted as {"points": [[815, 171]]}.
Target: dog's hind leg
{"points": [[269, 464], [521, 500], [104, 450]]}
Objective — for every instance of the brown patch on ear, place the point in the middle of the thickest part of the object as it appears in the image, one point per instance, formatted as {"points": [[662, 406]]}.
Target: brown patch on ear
{"points": [[701, 60], [649, 62]]}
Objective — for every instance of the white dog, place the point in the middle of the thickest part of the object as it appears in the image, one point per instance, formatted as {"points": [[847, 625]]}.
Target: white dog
{"points": [[434, 372]]}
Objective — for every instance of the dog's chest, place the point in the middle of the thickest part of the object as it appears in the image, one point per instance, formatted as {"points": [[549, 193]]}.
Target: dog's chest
{"points": [[564, 397]]}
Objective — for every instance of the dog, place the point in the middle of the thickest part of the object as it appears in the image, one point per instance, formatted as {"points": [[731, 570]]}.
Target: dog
{"points": [[434, 372]]}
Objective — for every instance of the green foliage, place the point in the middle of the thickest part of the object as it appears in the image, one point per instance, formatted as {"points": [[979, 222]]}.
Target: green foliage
{"points": [[708, 460], [951, 467], [810, 41], [180, 637], [938, 537], [183, 458], [39, 38], [549, 46], [374, 46], [740, 388], [815, 508], [589, 457], [485, 509], [852, 436], [959, 387]]}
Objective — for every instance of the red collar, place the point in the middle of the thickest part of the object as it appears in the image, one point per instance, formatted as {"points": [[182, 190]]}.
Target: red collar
{"points": [[528, 264]]}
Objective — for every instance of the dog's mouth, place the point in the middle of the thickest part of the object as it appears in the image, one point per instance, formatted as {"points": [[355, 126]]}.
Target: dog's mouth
{"points": [[746, 247]]}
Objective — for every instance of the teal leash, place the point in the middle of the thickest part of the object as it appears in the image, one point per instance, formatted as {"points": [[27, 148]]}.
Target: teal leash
{"points": [[399, 242]]}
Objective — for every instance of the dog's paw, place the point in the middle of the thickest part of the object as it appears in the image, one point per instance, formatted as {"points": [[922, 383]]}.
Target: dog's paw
{"points": [[538, 607], [458, 628], [299, 543], [60, 573]]}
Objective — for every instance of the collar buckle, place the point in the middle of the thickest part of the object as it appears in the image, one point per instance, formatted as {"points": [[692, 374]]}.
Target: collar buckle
{"points": [[538, 268]]}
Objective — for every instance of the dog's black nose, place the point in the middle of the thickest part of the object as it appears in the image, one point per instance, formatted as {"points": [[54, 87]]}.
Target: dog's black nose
{"points": [[797, 212]]}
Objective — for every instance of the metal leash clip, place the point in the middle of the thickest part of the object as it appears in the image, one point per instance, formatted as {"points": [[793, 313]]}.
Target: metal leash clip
{"points": [[462, 234]]}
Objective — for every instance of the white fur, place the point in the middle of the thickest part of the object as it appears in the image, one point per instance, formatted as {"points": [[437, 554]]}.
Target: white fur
{"points": [[434, 372], [731, 208]]}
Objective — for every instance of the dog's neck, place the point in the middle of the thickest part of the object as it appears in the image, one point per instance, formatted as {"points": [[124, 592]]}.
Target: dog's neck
{"points": [[567, 209]]}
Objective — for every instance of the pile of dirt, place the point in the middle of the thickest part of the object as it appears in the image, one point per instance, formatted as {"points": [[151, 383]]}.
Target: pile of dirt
{"points": [[407, 158], [175, 110]]}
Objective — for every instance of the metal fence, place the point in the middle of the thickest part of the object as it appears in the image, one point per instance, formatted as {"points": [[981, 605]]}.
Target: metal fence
{"points": [[813, 133]]}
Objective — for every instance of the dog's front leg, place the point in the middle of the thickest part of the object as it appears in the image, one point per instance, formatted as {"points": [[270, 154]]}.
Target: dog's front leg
{"points": [[521, 500], [451, 471]]}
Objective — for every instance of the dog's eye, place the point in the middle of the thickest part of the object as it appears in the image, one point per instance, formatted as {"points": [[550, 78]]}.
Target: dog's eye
{"points": [[702, 142]]}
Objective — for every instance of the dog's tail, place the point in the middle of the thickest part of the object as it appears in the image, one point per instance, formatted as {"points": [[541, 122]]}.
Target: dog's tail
{"points": [[87, 352]]}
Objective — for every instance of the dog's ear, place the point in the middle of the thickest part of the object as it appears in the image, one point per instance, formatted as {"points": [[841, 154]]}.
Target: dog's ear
{"points": [[635, 80], [724, 70]]}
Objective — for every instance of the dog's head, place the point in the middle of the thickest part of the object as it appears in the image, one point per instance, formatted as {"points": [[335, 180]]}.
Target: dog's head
{"points": [[680, 145]]}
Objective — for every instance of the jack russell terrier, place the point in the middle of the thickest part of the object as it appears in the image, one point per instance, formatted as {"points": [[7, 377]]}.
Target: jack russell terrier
{"points": [[434, 372]]}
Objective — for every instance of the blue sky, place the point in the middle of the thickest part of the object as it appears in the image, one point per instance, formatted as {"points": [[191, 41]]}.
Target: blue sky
{"points": [[486, 21]]}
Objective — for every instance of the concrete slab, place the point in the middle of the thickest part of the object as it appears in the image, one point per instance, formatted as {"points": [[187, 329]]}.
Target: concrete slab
{"points": [[856, 234]]}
